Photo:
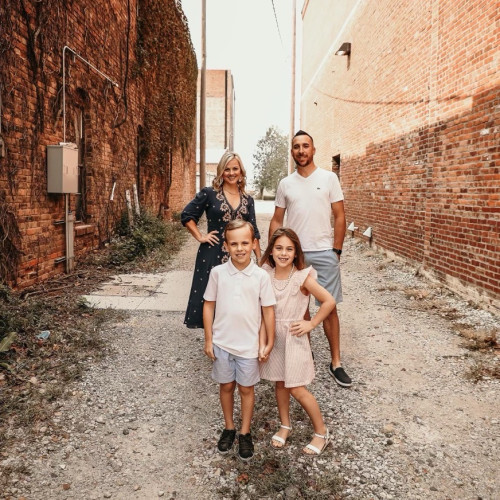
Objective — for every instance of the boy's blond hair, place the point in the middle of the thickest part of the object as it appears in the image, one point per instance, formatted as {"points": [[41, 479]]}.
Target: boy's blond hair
{"points": [[236, 224]]}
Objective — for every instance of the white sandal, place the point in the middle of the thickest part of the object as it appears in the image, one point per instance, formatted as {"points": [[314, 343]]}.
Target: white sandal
{"points": [[318, 451], [279, 439]]}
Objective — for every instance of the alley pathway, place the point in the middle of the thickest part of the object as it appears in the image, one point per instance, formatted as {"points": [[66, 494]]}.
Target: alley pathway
{"points": [[143, 423]]}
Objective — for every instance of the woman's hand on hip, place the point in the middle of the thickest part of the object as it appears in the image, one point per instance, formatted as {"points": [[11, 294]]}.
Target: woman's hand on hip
{"points": [[211, 238]]}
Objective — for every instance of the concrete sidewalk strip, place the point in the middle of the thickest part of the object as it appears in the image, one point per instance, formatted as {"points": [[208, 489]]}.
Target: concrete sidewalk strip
{"points": [[122, 291], [113, 302], [156, 292]]}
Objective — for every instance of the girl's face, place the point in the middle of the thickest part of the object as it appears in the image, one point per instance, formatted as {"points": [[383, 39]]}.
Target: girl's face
{"points": [[232, 173], [283, 252]]}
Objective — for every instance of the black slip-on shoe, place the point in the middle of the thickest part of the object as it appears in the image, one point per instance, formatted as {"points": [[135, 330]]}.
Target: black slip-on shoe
{"points": [[340, 376]]}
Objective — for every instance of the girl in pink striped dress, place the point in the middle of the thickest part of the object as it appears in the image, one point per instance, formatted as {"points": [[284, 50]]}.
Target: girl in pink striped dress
{"points": [[290, 362]]}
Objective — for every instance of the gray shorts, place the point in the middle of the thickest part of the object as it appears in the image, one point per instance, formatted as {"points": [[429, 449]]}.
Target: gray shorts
{"points": [[227, 368], [327, 265]]}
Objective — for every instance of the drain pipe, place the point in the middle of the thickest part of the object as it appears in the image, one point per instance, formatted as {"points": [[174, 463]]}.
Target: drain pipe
{"points": [[69, 217]]}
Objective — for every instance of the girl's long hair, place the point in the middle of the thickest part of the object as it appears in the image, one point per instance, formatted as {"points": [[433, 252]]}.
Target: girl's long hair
{"points": [[226, 158], [298, 260]]}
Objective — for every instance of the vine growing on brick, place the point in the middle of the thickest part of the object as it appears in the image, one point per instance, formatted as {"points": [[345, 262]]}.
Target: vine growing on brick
{"points": [[169, 121], [10, 242]]}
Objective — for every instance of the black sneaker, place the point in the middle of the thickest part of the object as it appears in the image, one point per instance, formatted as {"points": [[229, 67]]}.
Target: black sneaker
{"points": [[226, 441], [340, 376], [245, 446]]}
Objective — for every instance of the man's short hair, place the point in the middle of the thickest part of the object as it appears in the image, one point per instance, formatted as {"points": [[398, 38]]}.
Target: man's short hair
{"points": [[236, 224], [302, 132]]}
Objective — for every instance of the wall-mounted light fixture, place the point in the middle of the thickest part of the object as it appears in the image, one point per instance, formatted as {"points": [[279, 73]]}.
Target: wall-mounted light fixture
{"points": [[352, 228], [368, 234], [345, 50]]}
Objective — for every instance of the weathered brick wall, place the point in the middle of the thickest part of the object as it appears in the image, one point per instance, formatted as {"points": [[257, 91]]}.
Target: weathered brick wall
{"points": [[125, 142], [414, 115]]}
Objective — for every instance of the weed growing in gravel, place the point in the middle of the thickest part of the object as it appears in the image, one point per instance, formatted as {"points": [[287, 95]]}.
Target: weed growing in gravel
{"points": [[484, 341], [482, 370], [149, 236], [478, 339]]}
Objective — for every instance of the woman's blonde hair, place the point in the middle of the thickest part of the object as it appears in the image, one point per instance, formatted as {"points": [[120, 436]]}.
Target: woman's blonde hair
{"points": [[226, 158]]}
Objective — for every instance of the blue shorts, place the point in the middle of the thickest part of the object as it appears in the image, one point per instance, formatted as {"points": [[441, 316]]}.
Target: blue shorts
{"points": [[327, 265], [228, 367]]}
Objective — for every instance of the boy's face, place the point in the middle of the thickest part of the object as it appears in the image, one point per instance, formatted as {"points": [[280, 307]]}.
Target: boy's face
{"points": [[239, 244]]}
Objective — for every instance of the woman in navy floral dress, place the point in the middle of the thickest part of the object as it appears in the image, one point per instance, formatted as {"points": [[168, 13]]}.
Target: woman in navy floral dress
{"points": [[225, 201]]}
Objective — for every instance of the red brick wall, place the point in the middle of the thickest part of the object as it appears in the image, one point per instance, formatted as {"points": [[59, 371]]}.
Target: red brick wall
{"points": [[414, 114], [106, 34]]}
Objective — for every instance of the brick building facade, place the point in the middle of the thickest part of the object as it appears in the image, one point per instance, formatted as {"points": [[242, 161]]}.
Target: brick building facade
{"points": [[140, 132], [412, 115], [219, 119]]}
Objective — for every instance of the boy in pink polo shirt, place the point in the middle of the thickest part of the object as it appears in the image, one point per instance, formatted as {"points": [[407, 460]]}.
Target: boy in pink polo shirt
{"points": [[238, 295]]}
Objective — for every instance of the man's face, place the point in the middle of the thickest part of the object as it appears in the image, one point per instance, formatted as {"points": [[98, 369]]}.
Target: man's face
{"points": [[303, 150]]}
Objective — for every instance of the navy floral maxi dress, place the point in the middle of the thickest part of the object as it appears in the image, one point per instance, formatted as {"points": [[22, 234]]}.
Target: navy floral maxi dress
{"points": [[219, 212]]}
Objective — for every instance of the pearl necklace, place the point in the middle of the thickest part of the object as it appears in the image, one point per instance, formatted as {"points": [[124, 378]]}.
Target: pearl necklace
{"points": [[275, 281]]}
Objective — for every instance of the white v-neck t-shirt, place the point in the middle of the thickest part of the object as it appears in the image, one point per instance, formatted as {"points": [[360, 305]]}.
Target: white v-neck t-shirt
{"points": [[308, 203]]}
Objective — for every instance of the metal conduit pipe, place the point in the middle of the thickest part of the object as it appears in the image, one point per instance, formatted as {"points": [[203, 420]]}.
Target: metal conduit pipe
{"points": [[69, 218], [64, 81]]}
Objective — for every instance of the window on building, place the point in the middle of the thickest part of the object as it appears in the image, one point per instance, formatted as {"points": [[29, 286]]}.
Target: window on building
{"points": [[336, 164]]}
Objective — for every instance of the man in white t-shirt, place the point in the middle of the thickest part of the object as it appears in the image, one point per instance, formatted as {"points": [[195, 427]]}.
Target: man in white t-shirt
{"points": [[309, 196]]}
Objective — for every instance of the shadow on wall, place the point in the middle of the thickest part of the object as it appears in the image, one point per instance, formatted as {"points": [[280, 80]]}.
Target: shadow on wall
{"points": [[431, 195]]}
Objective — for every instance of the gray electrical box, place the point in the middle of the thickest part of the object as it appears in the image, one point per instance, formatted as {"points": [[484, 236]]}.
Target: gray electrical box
{"points": [[62, 168]]}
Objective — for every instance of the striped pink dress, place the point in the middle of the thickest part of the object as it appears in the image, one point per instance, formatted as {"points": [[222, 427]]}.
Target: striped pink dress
{"points": [[291, 358]]}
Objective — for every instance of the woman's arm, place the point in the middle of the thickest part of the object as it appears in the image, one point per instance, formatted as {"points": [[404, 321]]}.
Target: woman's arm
{"points": [[192, 213], [211, 238], [328, 304]]}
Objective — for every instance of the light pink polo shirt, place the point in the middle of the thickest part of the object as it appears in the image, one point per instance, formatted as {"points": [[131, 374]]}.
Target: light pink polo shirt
{"points": [[239, 296]]}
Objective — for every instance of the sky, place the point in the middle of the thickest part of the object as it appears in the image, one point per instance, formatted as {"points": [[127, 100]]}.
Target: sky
{"points": [[243, 36]]}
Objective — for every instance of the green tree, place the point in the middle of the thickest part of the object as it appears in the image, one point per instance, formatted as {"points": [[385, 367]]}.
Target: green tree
{"points": [[270, 160]]}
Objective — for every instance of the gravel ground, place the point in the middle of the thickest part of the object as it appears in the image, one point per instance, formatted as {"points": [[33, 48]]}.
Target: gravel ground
{"points": [[143, 423]]}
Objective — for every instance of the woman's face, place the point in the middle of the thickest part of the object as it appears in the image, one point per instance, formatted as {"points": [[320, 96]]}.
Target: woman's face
{"points": [[232, 173], [283, 252]]}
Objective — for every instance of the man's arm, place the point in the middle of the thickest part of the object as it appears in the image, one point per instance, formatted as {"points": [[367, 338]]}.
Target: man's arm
{"points": [[339, 224], [277, 220]]}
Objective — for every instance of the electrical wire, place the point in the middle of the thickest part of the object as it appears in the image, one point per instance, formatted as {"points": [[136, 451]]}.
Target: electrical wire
{"points": [[277, 25]]}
